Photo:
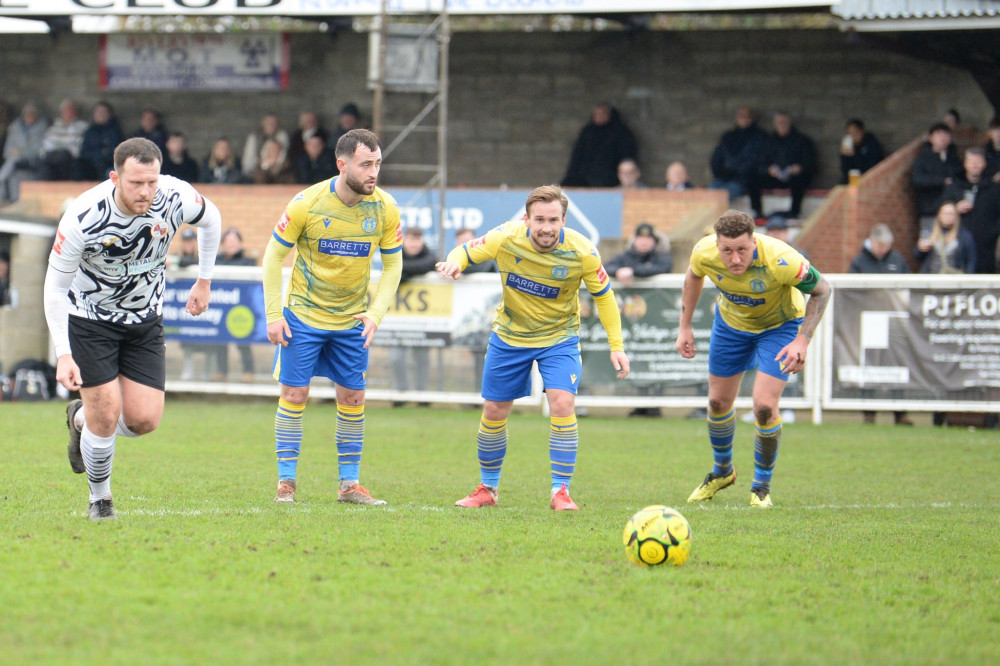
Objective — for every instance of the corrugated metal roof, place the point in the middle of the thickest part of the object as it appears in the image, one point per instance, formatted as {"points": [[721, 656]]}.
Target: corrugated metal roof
{"points": [[915, 9]]}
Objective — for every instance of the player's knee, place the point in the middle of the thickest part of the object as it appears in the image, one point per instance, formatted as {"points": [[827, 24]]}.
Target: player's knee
{"points": [[143, 425], [763, 413], [716, 407]]}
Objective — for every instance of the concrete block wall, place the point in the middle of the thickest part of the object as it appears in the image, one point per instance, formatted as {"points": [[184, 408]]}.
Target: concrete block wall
{"points": [[517, 100]]}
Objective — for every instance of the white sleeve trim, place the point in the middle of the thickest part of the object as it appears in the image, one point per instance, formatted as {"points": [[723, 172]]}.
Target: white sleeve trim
{"points": [[56, 301]]}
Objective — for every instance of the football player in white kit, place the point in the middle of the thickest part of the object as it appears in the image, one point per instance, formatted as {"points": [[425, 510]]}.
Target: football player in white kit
{"points": [[103, 304]]}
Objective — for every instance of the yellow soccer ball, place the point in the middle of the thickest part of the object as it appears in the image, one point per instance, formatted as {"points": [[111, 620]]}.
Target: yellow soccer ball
{"points": [[657, 535]]}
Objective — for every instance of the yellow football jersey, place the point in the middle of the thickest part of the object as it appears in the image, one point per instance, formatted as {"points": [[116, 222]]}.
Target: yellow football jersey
{"points": [[763, 297], [540, 304], [334, 245]]}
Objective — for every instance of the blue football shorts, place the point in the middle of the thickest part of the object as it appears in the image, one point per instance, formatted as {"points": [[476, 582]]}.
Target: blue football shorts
{"points": [[507, 369], [313, 352], [731, 351]]}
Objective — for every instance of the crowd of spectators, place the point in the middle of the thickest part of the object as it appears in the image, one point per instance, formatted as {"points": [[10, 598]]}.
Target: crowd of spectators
{"points": [[71, 148]]}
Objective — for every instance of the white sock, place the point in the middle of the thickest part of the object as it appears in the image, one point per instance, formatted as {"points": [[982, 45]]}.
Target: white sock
{"points": [[98, 455], [123, 429]]}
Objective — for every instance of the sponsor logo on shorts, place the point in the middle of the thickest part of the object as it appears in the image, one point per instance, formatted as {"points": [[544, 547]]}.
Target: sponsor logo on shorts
{"points": [[368, 224], [526, 286], [341, 248], [572, 379], [739, 299]]}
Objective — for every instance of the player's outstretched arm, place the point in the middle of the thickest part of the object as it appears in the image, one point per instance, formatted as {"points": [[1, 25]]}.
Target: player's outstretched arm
{"points": [[447, 269]]}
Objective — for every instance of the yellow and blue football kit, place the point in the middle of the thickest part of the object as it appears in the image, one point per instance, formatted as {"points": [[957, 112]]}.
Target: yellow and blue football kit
{"points": [[537, 321], [757, 312], [334, 245]]}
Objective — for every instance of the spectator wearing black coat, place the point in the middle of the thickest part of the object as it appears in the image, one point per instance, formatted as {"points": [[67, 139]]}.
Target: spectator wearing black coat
{"points": [[877, 256], [600, 147], [151, 127], [789, 162], [977, 199], [738, 155], [859, 149], [934, 169], [177, 162], [99, 142], [318, 163]]}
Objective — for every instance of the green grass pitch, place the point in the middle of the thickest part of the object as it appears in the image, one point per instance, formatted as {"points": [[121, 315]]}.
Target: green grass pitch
{"points": [[883, 547]]}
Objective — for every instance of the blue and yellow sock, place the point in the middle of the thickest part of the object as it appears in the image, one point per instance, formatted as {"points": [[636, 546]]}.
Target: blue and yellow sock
{"points": [[492, 448], [350, 439], [288, 437], [765, 453], [564, 437], [721, 430]]}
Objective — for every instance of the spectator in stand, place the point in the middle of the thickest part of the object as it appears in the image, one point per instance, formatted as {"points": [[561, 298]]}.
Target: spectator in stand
{"points": [[177, 162], [789, 162], [600, 147], [99, 142], [676, 177], [222, 166], [308, 126], [273, 168], [629, 174], [738, 155], [22, 152], [151, 127], [934, 169], [648, 254], [231, 253], [61, 146], [877, 256], [859, 149], [417, 260], [318, 163], [950, 247], [349, 118], [952, 119], [977, 200], [254, 146], [992, 150]]}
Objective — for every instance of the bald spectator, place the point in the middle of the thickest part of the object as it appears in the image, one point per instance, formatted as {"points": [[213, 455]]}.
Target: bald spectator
{"points": [[676, 177], [977, 199]]}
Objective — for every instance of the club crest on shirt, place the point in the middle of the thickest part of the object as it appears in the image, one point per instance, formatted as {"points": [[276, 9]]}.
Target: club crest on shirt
{"points": [[757, 285], [159, 230], [560, 272], [368, 224]]}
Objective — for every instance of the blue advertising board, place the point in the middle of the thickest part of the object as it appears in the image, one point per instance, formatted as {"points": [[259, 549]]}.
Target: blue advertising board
{"points": [[236, 313]]}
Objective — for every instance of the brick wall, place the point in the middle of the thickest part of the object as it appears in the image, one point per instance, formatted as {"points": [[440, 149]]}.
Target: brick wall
{"points": [[835, 232]]}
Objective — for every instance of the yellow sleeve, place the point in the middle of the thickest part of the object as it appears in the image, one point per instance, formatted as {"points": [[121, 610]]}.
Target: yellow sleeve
{"points": [[274, 257], [478, 250], [611, 319], [392, 270]]}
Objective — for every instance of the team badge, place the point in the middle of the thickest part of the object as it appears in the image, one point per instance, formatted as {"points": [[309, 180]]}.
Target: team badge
{"points": [[368, 224], [560, 272], [757, 285]]}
